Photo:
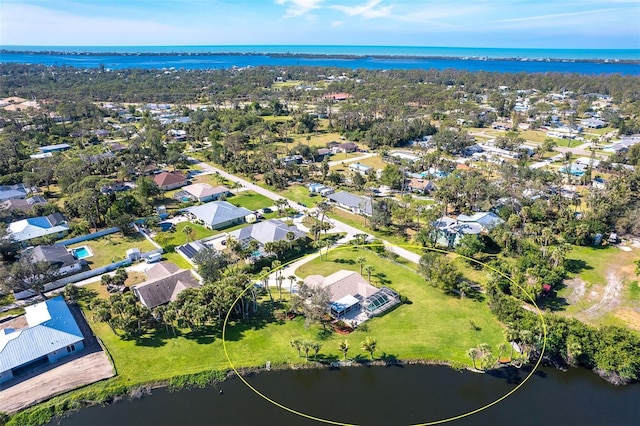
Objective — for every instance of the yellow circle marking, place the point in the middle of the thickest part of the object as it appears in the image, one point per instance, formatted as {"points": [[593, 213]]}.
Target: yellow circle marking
{"points": [[334, 422]]}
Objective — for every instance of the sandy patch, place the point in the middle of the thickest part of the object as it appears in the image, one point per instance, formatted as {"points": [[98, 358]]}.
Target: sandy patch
{"points": [[624, 248], [610, 297], [578, 288]]}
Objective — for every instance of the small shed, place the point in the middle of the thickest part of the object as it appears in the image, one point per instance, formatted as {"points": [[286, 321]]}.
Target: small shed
{"points": [[133, 254], [251, 218]]}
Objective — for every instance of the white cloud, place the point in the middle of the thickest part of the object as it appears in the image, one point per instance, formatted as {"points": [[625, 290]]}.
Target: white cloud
{"points": [[554, 15], [299, 7], [367, 10], [335, 24]]}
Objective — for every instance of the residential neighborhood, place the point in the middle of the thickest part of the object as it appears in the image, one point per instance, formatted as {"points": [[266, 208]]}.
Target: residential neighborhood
{"points": [[310, 215]]}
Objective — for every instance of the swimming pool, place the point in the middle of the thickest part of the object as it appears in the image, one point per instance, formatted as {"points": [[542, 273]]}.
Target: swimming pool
{"points": [[81, 252]]}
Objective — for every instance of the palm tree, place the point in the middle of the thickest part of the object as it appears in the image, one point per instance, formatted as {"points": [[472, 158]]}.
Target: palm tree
{"points": [[344, 348], [297, 345], [292, 279], [369, 269], [187, 231], [360, 260], [369, 345], [474, 354], [327, 244]]}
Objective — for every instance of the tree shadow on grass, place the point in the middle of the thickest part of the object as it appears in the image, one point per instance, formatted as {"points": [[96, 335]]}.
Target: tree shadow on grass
{"points": [[575, 266], [382, 279], [204, 335], [326, 359], [236, 329], [155, 339]]}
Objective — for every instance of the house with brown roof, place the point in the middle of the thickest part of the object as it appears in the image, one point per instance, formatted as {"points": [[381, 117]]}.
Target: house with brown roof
{"points": [[347, 147], [351, 295], [167, 181], [164, 282], [421, 186]]}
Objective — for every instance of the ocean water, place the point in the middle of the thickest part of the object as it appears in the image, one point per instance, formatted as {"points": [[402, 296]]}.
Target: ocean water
{"points": [[427, 51], [470, 59]]}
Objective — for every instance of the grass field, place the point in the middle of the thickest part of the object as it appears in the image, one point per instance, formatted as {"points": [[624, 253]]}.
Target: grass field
{"points": [[433, 326], [250, 200], [113, 247], [300, 194], [375, 162], [178, 237]]}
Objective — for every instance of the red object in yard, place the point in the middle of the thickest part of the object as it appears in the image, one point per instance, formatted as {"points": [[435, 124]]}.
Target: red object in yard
{"points": [[546, 288]]}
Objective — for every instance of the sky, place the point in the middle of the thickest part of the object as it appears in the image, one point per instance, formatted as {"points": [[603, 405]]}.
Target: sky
{"points": [[585, 24]]}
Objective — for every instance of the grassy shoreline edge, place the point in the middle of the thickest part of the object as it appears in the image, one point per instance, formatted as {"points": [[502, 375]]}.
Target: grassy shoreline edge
{"points": [[108, 391]]}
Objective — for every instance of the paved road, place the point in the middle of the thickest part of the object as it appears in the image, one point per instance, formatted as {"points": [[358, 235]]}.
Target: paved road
{"points": [[338, 225]]}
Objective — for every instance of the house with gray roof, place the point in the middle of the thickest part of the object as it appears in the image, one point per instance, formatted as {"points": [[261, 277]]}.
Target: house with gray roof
{"points": [[352, 202], [165, 281], [54, 225], [14, 192], [449, 231], [218, 214], [64, 262], [23, 204], [265, 232], [48, 332], [352, 296]]}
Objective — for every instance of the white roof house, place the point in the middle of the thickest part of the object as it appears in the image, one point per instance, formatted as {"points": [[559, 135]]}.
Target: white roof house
{"points": [[51, 332], [360, 168], [38, 227], [205, 192], [219, 214]]}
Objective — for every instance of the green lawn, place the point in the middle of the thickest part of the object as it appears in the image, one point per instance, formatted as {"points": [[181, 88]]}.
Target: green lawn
{"points": [[250, 200], [375, 162], [178, 237], [634, 291], [300, 194], [433, 326], [177, 259], [113, 247]]}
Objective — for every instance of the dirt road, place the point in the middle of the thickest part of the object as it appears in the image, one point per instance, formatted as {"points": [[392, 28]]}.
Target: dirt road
{"points": [[610, 297]]}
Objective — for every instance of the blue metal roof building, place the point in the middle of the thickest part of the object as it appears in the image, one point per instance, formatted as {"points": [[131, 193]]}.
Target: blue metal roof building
{"points": [[52, 333]]}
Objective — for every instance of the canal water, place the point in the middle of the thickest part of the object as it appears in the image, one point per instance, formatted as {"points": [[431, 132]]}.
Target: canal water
{"points": [[383, 396]]}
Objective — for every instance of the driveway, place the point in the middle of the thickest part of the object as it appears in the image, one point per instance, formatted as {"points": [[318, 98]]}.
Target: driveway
{"points": [[339, 226]]}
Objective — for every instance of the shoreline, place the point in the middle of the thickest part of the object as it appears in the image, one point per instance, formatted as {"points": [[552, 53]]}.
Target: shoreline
{"points": [[320, 56], [75, 400]]}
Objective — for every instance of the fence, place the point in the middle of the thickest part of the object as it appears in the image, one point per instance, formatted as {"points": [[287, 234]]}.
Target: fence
{"points": [[75, 278], [144, 234], [87, 237]]}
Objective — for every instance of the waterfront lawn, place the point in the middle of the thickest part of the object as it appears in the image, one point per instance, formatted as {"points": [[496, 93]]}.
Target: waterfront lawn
{"points": [[434, 326], [250, 200], [113, 247]]}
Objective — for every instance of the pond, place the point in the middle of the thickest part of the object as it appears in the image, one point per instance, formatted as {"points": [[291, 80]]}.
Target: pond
{"points": [[383, 396]]}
